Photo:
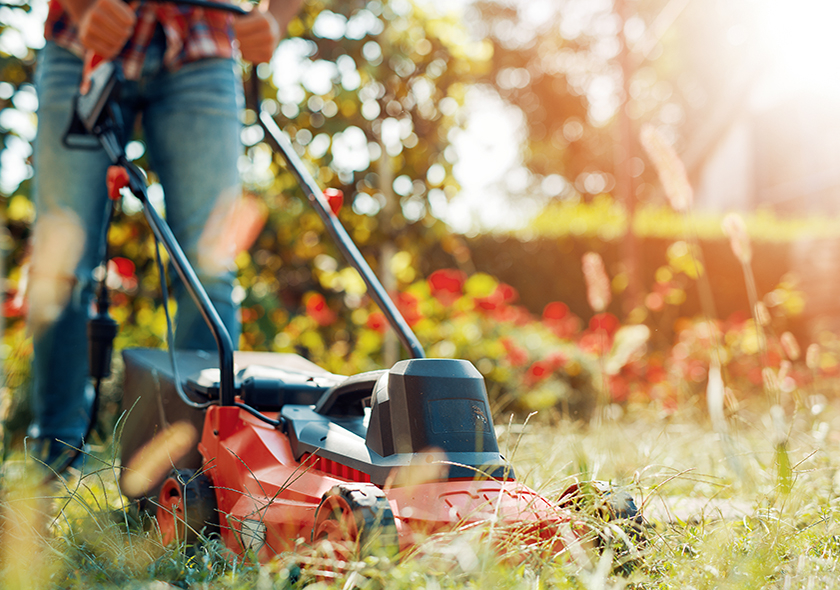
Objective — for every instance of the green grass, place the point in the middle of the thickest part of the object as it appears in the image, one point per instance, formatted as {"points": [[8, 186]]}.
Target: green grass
{"points": [[718, 516]]}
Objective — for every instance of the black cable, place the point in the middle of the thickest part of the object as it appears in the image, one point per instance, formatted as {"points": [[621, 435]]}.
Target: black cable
{"points": [[278, 424], [170, 337]]}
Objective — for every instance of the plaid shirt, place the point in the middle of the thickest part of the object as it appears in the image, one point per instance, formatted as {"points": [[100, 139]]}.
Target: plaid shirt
{"points": [[192, 33]]}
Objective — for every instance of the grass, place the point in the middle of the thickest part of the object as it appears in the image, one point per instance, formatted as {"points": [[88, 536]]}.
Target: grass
{"points": [[715, 519]]}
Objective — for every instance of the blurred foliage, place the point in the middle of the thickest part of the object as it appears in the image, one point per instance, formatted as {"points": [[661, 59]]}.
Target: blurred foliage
{"points": [[561, 65], [587, 76], [379, 89], [606, 219], [369, 92], [538, 71]]}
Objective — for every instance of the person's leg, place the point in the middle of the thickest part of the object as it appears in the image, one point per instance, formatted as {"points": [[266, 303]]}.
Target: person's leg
{"points": [[70, 199], [192, 127]]}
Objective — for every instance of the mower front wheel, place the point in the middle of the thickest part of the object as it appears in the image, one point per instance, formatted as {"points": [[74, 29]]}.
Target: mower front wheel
{"points": [[357, 521], [614, 517], [187, 507]]}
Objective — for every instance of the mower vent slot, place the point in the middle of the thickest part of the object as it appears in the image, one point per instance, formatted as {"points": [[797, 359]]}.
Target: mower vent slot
{"points": [[333, 468]]}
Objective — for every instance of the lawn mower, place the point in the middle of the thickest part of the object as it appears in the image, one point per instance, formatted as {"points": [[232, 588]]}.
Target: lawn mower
{"points": [[289, 453]]}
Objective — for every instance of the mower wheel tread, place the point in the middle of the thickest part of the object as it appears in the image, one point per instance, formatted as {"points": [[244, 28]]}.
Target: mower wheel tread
{"points": [[187, 510], [373, 525]]}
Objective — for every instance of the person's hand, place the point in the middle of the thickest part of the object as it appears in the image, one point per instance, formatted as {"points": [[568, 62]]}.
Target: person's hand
{"points": [[258, 34], [105, 27]]}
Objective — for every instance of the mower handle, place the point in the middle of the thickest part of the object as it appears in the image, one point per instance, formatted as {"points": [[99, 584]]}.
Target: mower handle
{"points": [[223, 6], [97, 123], [92, 116], [342, 239]]}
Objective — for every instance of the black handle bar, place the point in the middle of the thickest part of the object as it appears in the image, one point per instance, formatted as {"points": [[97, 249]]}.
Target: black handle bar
{"points": [[342, 239], [224, 6], [98, 123]]}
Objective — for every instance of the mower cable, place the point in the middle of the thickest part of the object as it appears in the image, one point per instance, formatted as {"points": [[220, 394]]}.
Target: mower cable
{"points": [[278, 424], [170, 337]]}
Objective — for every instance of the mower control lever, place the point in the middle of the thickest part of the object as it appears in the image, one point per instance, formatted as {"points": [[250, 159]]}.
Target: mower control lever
{"points": [[89, 108]]}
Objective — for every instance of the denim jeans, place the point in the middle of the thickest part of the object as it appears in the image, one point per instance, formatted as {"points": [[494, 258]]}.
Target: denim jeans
{"points": [[190, 120]]}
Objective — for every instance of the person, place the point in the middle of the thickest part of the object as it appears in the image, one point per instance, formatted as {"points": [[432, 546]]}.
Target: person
{"points": [[181, 78]]}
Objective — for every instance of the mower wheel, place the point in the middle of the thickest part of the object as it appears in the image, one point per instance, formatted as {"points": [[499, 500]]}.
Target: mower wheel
{"points": [[609, 505], [187, 507], [357, 521]]}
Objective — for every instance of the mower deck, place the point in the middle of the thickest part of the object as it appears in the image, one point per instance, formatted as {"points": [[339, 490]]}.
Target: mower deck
{"points": [[411, 451]]}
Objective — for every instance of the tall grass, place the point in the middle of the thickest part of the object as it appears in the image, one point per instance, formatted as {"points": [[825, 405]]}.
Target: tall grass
{"points": [[732, 498], [705, 526]]}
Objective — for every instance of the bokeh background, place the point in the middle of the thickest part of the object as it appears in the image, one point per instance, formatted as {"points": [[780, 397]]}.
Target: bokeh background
{"points": [[542, 185]]}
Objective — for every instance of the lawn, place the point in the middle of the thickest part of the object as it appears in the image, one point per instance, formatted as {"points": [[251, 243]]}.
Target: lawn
{"points": [[722, 510]]}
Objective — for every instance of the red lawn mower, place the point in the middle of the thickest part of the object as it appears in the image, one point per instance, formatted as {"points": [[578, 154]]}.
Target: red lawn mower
{"points": [[289, 451]]}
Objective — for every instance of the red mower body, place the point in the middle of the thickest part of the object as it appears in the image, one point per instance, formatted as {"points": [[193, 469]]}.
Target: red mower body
{"points": [[288, 451], [372, 458], [270, 501]]}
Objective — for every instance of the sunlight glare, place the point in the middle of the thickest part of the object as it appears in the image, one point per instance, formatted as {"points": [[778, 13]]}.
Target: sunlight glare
{"points": [[801, 38]]}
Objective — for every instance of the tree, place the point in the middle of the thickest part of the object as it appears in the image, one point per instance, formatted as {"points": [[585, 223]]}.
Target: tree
{"points": [[586, 74], [368, 93]]}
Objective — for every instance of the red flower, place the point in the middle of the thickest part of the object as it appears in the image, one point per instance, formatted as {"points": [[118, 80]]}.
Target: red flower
{"points": [[506, 293], [122, 266], [14, 306], [516, 355], [567, 328], [830, 371], [556, 360], [669, 404], [595, 343], [774, 359], [376, 321], [486, 304], [447, 285], [513, 314], [335, 199], [556, 310], [558, 319], [247, 315], [737, 318], [599, 338], [409, 307], [121, 274], [605, 322], [538, 371], [655, 373], [318, 310], [619, 388], [501, 296]]}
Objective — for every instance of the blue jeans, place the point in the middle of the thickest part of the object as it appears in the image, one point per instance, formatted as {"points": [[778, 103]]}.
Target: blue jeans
{"points": [[190, 120]]}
